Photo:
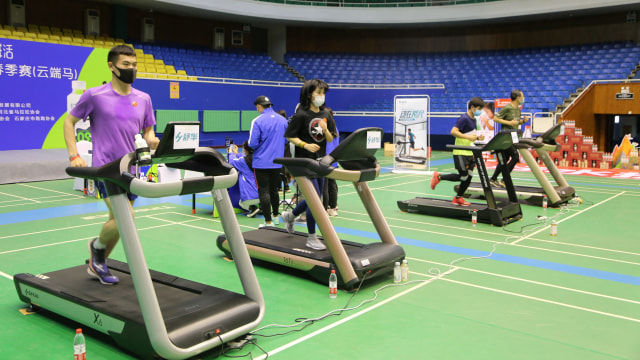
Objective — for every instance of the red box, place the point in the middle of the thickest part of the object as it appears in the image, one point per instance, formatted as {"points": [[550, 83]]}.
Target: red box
{"points": [[569, 131], [575, 139], [560, 139], [585, 148], [596, 156]]}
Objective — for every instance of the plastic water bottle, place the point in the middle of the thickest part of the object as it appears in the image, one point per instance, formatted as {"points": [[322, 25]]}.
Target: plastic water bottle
{"points": [[545, 202], [142, 150], [333, 285], [554, 228], [79, 348], [474, 217], [397, 273], [404, 271]]}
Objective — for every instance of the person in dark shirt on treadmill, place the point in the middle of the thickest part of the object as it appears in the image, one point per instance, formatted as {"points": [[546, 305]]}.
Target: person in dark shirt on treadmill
{"points": [[465, 133]]}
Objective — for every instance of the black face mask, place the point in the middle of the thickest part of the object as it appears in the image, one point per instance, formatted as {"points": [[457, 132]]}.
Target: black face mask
{"points": [[127, 76]]}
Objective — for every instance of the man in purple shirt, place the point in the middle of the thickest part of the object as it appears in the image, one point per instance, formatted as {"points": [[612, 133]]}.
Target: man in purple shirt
{"points": [[117, 113]]}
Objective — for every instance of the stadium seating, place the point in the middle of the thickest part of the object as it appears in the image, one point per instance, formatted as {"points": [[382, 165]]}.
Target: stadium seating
{"points": [[547, 75]]}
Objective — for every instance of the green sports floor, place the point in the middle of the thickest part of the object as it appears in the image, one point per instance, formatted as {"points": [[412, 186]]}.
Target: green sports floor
{"points": [[572, 296]]}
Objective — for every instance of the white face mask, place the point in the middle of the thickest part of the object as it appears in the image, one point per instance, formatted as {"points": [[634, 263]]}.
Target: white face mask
{"points": [[318, 100]]}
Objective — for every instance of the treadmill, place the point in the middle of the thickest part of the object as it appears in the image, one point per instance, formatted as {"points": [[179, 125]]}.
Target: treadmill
{"points": [[401, 157], [493, 212], [556, 195], [353, 261], [149, 313]]}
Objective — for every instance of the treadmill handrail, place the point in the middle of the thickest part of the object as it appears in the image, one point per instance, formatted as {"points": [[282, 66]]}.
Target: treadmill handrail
{"points": [[502, 141], [118, 172]]}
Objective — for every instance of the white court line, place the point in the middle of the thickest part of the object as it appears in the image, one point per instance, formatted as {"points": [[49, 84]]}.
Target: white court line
{"points": [[6, 275], [19, 197], [513, 243], [76, 240], [351, 317], [37, 201], [586, 247], [544, 300], [49, 190], [568, 217], [527, 281], [70, 227]]}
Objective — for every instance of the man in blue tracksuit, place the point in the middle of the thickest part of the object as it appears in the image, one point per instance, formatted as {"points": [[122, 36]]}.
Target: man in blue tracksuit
{"points": [[267, 140]]}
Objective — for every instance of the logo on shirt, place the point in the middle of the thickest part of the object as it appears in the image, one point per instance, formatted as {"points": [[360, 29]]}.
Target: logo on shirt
{"points": [[135, 104], [315, 130]]}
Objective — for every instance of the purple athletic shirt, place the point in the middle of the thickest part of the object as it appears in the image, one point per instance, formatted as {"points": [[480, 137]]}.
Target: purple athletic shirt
{"points": [[115, 120]]}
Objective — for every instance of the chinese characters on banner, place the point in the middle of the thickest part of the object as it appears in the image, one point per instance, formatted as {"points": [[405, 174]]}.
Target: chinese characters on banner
{"points": [[23, 111]]}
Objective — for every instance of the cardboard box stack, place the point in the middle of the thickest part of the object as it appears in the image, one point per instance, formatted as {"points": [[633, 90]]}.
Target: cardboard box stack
{"points": [[577, 150]]}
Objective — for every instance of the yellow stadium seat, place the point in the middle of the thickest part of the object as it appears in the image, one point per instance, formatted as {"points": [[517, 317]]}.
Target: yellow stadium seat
{"points": [[5, 33], [8, 27], [30, 35], [181, 72], [55, 38], [43, 36], [22, 29], [44, 29], [66, 38], [159, 62], [55, 29], [18, 34], [162, 76], [98, 42], [33, 28], [77, 40]]}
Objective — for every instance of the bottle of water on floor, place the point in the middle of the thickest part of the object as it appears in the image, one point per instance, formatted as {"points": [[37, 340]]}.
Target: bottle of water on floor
{"points": [[333, 285], [545, 202], [397, 273], [404, 270], [79, 348]]}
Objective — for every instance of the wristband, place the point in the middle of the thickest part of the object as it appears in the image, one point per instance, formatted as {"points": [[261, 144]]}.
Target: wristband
{"points": [[302, 144], [77, 156]]}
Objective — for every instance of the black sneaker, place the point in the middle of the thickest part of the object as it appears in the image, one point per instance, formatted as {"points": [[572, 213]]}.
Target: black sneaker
{"points": [[253, 211], [98, 266]]}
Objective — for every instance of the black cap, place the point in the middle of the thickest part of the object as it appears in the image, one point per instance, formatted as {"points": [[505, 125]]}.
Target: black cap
{"points": [[262, 100]]}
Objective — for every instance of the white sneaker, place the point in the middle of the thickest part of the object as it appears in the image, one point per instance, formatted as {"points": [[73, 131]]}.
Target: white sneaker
{"points": [[314, 243], [289, 220], [275, 219], [332, 212]]}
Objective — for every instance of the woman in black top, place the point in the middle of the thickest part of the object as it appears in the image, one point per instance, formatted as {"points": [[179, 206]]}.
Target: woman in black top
{"points": [[309, 130]]}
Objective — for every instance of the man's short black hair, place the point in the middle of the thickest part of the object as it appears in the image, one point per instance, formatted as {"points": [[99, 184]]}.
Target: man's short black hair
{"points": [[118, 50], [475, 102], [515, 94]]}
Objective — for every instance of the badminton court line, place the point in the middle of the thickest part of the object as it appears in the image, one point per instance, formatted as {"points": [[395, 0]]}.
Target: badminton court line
{"points": [[569, 217], [351, 317]]}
